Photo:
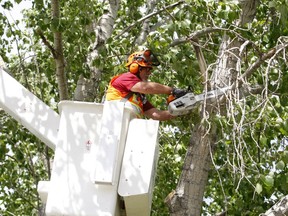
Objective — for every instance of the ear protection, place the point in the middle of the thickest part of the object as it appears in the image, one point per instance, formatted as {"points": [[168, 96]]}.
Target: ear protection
{"points": [[134, 68]]}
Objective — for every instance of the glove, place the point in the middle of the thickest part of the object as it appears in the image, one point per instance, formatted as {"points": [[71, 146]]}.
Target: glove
{"points": [[178, 92]]}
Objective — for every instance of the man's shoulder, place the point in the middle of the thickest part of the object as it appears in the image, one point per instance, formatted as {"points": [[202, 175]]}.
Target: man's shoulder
{"points": [[129, 75]]}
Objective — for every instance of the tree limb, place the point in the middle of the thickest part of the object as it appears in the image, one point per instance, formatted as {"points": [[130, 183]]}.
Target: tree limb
{"points": [[249, 8], [150, 4], [253, 67], [200, 58], [149, 16], [44, 40], [196, 35]]}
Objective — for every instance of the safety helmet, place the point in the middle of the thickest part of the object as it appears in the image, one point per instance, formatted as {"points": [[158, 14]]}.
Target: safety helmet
{"points": [[142, 59]]}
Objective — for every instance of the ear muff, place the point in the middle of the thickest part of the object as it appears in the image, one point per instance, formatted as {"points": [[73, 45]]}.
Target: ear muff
{"points": [[134, 67]]}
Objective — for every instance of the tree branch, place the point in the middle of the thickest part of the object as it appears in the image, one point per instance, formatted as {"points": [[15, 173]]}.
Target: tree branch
{"points": [[196, 35], [150, 4], [44, 40], [200, 58], [249, 8], [275, 51], [148, 16]]}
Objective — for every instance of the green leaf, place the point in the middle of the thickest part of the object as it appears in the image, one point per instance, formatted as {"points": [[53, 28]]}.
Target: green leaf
{"points": [[269, 181], [272, 4], [280, 165], [258, 188], [285, 156], [263, 140], [266, 38], [7, 5]]}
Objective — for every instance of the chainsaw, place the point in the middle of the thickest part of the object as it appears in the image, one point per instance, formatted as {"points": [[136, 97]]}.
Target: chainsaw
{"points": [[183, 105]]}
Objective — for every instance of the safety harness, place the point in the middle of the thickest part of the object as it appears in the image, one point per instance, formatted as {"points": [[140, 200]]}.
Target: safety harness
{"points": [[136, 99]]}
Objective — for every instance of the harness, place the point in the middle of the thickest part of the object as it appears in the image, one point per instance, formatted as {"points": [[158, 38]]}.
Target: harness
{"points": [[136, 99]]}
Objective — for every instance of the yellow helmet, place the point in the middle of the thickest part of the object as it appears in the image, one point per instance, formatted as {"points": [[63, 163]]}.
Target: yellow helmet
{"points": [[141, 58]]}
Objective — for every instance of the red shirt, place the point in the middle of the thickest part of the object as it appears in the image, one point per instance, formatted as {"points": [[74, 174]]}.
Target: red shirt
{"points": [[125, 82]]}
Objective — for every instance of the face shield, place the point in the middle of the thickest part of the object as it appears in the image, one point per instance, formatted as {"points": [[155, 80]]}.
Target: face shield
{"points": [[151, 58]]}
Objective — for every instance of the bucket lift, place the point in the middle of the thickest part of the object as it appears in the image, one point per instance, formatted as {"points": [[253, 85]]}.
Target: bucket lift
{"points": [[103, 154]]}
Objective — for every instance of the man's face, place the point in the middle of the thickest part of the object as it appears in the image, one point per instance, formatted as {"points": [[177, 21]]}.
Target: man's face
{"points": [[145, 73]]}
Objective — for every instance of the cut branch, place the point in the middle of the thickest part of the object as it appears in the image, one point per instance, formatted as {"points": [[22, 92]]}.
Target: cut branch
{"points": [[200, 58]]}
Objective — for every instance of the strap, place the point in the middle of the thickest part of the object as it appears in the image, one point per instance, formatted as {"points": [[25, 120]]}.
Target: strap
{"points": [[126, 98]]}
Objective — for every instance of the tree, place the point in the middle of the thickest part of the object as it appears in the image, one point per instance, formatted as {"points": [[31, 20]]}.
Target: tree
{"points": [[235, 148], [187, 198]]}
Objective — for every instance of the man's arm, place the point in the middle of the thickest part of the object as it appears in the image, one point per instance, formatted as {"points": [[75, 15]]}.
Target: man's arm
{"points": [[160, 115], [151, 88]]}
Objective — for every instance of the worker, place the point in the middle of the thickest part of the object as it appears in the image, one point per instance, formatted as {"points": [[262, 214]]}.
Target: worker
{"points": [[133, 86]]}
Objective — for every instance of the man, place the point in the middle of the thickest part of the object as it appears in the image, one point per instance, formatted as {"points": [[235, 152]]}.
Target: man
{"points": [[134, 85]]}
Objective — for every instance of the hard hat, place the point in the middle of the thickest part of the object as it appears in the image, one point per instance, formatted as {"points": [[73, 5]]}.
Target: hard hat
{"points": [[141, 58]]}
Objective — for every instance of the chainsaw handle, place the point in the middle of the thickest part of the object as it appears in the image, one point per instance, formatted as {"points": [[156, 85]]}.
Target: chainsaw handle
{"points": [[177, 92]]}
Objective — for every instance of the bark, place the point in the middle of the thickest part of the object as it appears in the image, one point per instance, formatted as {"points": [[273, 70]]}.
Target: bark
{"points": [[279, 209], [227, 69], [58, 56], [86, 88], [249, 8], [187, 199], [188, 196]]}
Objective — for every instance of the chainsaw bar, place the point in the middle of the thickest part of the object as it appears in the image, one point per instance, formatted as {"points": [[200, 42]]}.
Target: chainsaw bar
{"points": [[189, 101]]}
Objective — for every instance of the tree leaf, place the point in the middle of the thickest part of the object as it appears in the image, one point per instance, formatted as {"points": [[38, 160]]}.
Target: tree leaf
{"points": [[269, 181], [258, 188], [280, 165]]}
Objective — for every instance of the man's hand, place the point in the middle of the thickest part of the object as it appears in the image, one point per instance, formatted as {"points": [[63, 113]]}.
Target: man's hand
{"points": [[178, 92]]}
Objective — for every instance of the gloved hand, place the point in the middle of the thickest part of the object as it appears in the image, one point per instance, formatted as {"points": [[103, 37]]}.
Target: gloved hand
{"points": [[178, 92]]}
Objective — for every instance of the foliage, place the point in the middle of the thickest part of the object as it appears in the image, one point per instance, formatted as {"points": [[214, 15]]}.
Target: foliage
{"points": [[22, 161], [250, 162]]}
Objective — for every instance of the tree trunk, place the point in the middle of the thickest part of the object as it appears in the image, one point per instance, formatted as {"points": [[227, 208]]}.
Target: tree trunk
{"points": [[86, 88], [58, 55], [188, 197]]}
